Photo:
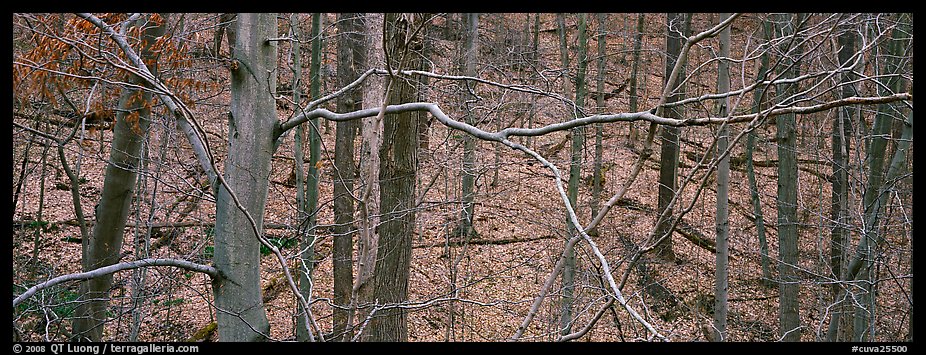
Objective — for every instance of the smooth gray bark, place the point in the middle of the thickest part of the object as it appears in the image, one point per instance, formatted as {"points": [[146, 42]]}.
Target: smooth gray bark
{"points": [[575, 172], [468, 179], [722, 219], [240, 310], [105, 244], [310, 209]]}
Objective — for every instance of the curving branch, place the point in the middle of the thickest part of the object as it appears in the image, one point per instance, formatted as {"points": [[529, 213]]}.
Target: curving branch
{"points": [[106, 270]]}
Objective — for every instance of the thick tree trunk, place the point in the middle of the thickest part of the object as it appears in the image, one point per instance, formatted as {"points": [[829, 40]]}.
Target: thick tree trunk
{"points": [[789, 278], [105, 245], [350, 50], [240, 310], [371, 132], [398, 170], [668, 158], [721, 271]]}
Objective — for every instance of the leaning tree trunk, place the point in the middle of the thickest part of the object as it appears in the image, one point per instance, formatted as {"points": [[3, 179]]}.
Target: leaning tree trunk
{"points": [[750, 168], [789, 303], [861, 266], [240, 309], [350, 50], [398, 170], [105, 245]]}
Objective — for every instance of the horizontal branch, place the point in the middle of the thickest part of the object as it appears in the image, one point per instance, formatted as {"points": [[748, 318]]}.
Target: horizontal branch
{"points": [[854, 100], [106, 270], [562, 126]]}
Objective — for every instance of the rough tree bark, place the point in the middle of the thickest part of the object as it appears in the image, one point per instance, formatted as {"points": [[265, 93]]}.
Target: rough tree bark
{"points": [[398, 170], [789, 303], [105, 244], [371, 131], [350, 51], [668, 157], [226, 26], [240, 313]]}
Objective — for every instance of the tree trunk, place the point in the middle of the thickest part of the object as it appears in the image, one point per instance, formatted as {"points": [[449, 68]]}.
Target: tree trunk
{"points": [[350, 50], [789, 302], [225, 26], [307, 237], [240, 310], [372, 133], [842, 130], [635, 68], [105, 245], [668, 157], [398, 170], [575, 171], [302, 212], [874, 195], [470, 51], [721, 271], [597, 178], [750, 169], [535, 63]]}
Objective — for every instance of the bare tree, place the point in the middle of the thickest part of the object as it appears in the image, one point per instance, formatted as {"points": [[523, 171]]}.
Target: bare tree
{"points": [[105, 245], [398, 169], [721, 272], [677, 28], [252, 120], [789, 280], [350, 50]]}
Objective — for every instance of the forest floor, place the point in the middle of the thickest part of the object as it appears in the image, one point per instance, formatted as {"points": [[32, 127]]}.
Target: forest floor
{"points": [[521, 224]]}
